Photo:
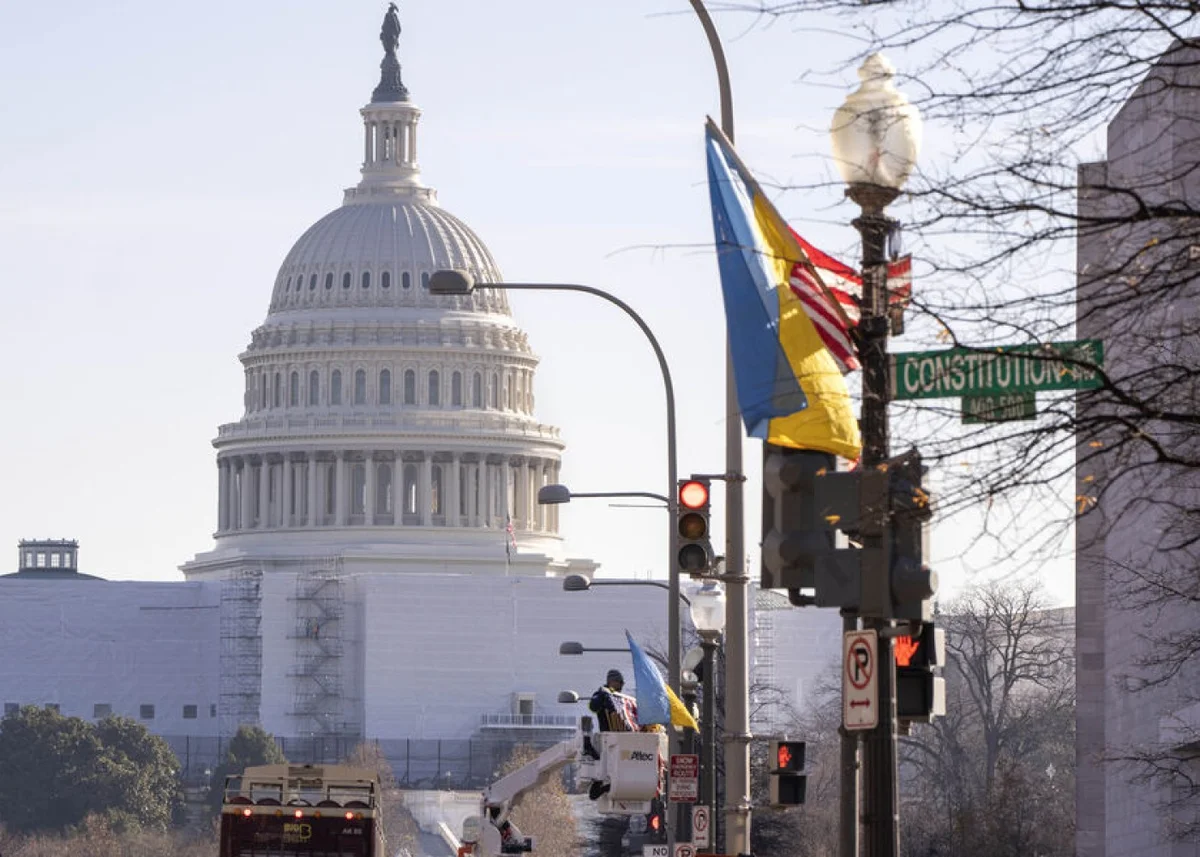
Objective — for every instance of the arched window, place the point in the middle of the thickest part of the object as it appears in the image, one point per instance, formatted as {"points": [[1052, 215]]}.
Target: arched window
{"points": [[329, 280], [385, 279], [277, 396], [312, 282], [330, 488], [287, 287], [262, 390], [456, 390], [360, 387], [410, 387], [358, 489], [346, 280], [405, 280], [495, 392], [314, 389], [410, 489], [385, 386], [435, 491], [477, 391], [424, 279], [366, 279], [383, 489], [335, 387], [435, 388], [294, 390]]}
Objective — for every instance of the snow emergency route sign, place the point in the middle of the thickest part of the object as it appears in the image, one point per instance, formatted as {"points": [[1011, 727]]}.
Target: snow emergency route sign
{"points": [[860, 680]]}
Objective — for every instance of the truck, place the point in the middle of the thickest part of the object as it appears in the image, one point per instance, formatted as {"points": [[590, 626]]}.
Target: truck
{"points": [[302, 811], [623, 771]]}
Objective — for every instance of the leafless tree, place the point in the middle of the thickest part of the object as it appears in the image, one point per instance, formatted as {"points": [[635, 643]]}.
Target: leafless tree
{"points": [[399, 826], [544, 813], [994, 776], [1062, 199]]}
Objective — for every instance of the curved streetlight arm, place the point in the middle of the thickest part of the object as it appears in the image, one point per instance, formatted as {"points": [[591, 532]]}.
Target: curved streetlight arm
{"points": [[673, 623], [657, 583], [648, 494], [718, 52]]}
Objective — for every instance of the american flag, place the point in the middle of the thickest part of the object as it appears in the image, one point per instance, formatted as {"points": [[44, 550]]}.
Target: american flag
{"points": [[510, 544], [845, 286]]}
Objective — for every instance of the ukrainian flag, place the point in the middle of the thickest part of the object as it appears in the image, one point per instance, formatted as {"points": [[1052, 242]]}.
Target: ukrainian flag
{"points": [[790, 389], [656, 702]]}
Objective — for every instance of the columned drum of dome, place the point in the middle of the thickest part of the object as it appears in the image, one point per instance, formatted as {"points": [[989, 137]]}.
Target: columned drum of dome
{"points": [[381, 421]]}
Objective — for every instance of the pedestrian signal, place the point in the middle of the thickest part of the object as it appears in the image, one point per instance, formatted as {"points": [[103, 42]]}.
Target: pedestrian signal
{"points": [[789, 783]]}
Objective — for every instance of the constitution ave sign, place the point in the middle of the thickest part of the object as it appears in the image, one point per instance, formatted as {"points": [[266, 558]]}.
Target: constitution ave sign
{"points": [[997, 371]]}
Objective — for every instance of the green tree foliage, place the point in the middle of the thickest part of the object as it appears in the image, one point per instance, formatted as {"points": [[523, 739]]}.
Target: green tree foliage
{"points": [[55, 771], [252, 745]]}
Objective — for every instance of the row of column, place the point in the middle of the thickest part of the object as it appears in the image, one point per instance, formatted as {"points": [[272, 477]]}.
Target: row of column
{"points": [[391, 143], [318, 488]]}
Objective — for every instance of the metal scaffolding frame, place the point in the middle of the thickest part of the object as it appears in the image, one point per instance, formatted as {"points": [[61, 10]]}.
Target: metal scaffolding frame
{"points": [[241, 649], [319, 700]]}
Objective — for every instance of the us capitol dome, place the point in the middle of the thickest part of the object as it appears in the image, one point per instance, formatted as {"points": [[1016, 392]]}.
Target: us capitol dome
{"points": [[382, 424]]}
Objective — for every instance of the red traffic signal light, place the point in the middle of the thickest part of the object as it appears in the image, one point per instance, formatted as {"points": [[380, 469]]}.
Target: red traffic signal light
{"points": [[693, 494], [655, 823], [695, 551]]}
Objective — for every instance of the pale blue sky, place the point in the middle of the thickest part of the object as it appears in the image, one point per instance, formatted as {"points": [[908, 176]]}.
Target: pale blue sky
{"points": [[158, 160]]}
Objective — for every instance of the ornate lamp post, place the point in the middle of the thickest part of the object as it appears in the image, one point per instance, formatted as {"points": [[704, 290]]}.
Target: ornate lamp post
{"points": [[708, 617], [876, 137]]}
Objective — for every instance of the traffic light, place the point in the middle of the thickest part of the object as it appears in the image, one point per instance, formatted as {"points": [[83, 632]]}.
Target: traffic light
{"points": [[789, 783], [695, 545], [920, 692], [911, 582], [794, 533], [656, 825]]}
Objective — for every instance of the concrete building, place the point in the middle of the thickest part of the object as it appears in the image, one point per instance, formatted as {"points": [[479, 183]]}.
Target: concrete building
{"points": [[1137, 291]]}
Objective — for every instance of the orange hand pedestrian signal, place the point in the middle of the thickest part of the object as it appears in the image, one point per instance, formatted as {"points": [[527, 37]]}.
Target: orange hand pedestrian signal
{"points": [[785, 757], [905, 648]]}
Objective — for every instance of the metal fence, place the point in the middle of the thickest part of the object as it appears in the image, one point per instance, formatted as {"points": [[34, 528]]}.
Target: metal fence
{"points": [[419, 763]]}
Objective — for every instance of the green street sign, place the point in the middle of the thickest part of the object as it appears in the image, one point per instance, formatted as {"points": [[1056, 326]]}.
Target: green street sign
{"points": [[997, 371], [999, 409]]}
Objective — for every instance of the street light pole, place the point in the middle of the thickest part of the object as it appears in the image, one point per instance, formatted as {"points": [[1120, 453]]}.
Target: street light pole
{"points": [[737, 637], [880, 799], [876, 136], [461, 282]]}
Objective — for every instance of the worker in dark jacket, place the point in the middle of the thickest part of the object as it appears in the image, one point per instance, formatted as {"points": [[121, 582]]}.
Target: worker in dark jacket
{"points": [[615, 712]]}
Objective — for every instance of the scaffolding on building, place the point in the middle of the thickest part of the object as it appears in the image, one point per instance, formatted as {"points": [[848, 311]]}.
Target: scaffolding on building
{"points": [[241, 649], [766, 603], [319, 701]]}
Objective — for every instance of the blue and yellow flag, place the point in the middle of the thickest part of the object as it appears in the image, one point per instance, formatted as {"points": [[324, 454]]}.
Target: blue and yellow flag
{"points": [[790, 389], [656, 703]]}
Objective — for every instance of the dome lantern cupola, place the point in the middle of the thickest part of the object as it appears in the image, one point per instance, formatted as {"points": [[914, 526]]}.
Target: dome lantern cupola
{"points": [[390, 130]]}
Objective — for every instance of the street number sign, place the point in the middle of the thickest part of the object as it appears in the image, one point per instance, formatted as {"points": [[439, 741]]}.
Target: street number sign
{"points": [[860, 679], [997, 371], [684, 785], [700, 828], [977, 410]]}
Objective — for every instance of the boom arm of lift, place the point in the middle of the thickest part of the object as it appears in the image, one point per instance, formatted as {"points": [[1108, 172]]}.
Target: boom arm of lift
{"points": [[499, 835], [628, 763]]}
